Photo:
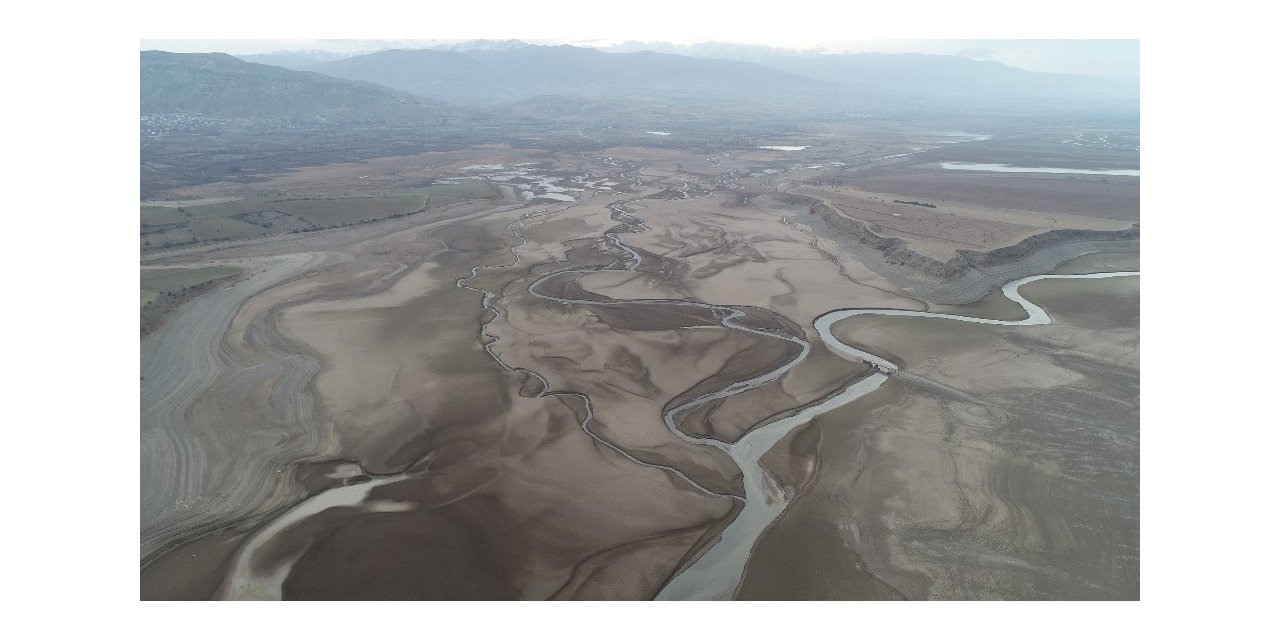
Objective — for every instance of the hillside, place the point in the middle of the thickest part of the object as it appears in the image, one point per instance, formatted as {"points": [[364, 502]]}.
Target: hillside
{"points": [[216, 85], [480, 75], [942, 79]]}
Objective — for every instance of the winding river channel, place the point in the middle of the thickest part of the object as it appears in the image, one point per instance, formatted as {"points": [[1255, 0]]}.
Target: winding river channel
{"points": [[716, 574]]}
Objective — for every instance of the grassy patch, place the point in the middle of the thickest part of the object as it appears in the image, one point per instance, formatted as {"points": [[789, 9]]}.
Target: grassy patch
{"points": [[158, 281], [225, 229], [440, 195], [327, 212], [171, 226], [258, 215], [227, 209], [163, 215], [915, 203], [435, 202], [156, 239], [470, 190]]}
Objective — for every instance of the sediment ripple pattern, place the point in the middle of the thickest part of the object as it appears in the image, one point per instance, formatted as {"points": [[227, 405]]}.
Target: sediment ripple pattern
{"points": [[717, 573], [179, 362]]}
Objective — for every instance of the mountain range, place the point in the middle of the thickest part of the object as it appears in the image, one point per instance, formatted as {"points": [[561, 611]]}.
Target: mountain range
{"points": [[928, 76], [496, 77], [210, 116], [489, 76], [221, 86]]}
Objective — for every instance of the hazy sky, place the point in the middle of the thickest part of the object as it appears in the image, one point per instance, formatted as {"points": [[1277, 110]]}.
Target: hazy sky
{"points": [[1092, 57]]}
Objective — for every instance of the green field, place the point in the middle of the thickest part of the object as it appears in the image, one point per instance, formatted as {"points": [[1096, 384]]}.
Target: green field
{"points": [[327, 212], [166, 237], [157, 281], [226, 209], [169, 226], [470, 190], [225, 229], [440, 195], [163, 215]]}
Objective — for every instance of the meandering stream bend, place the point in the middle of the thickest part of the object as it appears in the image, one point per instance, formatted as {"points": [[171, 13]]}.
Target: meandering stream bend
{"points": [[717, 574]]}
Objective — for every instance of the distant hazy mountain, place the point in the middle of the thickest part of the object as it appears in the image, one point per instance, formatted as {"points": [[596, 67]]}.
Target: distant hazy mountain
{"points": [[718, 50], [301, 60], [221, 86], [631, 112], [568, 108], [488, 74], [906, 75], [296, 60], [936, 75], [483, 45]]}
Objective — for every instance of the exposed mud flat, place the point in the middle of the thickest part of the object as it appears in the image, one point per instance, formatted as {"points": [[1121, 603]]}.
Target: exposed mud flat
{"points": [[468, 404], [476, 450], [969, 275], [1010, 497]]}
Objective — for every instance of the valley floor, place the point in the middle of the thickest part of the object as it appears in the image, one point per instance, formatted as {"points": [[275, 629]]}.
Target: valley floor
{"points": [[467, 402]]}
